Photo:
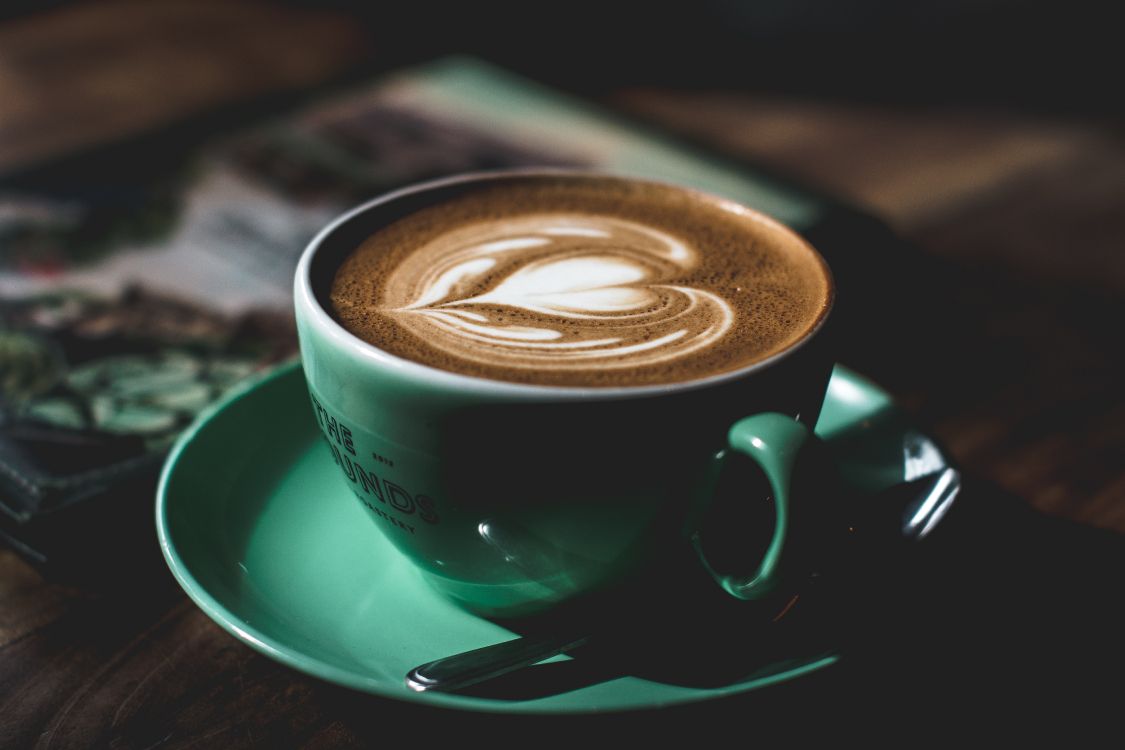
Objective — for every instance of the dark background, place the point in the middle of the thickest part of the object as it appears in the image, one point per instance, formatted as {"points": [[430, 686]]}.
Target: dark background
{"points": [[1048, 56], [1034, 54]]}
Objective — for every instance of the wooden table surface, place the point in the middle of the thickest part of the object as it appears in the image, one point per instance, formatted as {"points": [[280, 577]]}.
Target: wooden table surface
{"points": [[1003, 337]]}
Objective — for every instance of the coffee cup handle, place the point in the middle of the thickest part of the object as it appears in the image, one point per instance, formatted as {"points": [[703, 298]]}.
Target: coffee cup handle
{"points": [[773, 441]]}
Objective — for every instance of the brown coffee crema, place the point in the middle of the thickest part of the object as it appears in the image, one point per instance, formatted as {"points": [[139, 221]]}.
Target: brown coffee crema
{"points": [[582, 281]]}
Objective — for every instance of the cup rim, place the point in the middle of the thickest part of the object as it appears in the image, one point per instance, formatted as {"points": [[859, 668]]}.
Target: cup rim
{"points": [[305, 297]]}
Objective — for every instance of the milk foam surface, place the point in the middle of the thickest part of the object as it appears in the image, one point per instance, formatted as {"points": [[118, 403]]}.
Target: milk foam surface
{"points": [[582, 281]]}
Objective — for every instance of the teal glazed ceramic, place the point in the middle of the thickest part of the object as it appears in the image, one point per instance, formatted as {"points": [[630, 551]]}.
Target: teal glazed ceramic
{"points": [[513, 499], [257, 527]]}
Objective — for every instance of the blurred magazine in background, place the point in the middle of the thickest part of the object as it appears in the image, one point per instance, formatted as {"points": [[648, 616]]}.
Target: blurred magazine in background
{"points": [[133, 298]]}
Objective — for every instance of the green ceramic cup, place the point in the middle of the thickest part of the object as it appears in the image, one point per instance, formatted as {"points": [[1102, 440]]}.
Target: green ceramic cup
{"points": [[513, 499]]}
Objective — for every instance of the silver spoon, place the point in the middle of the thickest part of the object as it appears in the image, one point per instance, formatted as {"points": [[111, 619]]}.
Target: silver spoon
{"points": [[482, 664]]}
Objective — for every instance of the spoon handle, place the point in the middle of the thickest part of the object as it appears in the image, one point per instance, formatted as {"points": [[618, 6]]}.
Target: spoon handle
{"points": [[462, 670]]}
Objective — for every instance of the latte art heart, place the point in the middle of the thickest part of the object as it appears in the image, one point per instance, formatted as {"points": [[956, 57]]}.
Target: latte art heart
{"points": [[557, 291]]}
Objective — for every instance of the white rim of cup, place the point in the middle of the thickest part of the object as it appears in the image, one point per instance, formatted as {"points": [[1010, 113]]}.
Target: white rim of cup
{"points": [[306, 297]]}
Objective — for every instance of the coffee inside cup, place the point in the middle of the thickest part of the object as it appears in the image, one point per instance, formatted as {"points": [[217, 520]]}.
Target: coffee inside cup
{"points": [[585, 281]]}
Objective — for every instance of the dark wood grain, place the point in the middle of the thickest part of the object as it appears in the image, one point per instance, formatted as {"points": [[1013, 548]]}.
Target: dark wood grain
{"points": [[1002, 335], [91, 72]]}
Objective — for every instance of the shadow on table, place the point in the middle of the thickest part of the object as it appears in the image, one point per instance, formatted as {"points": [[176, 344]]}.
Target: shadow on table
{"points": [[1003, 614], [1006, 608]]}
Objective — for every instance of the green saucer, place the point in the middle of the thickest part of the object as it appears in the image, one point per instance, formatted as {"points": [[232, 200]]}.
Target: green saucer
{"points": [[262, 534]]}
